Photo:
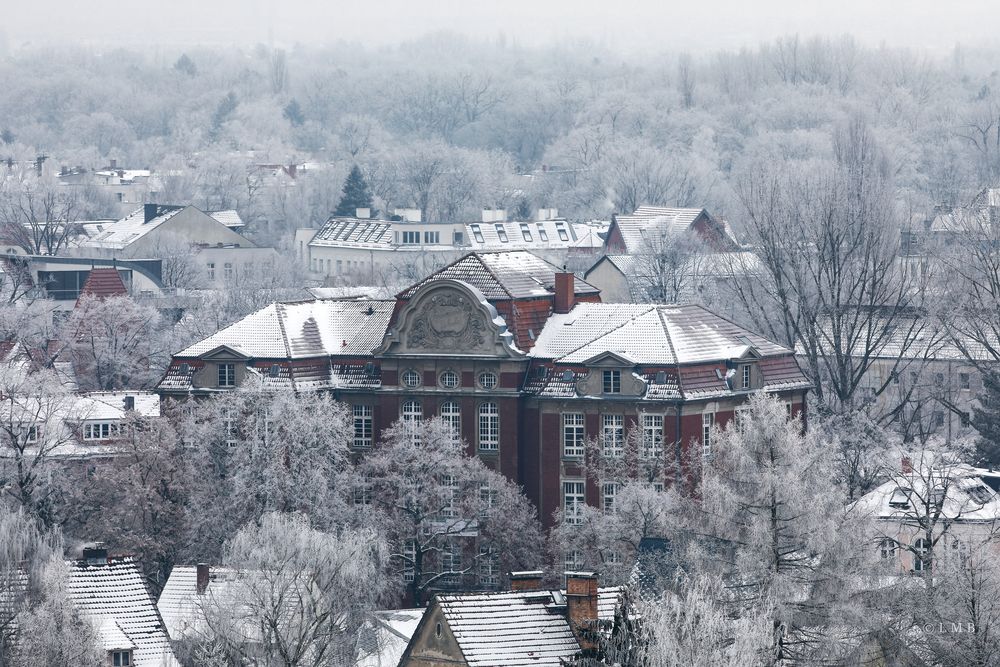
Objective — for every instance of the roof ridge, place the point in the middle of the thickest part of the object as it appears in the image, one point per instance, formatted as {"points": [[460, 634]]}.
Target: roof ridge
{"points": [[608, 333], [489, 270]]}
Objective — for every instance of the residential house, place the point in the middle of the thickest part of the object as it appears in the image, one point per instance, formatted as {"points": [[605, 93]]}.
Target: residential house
{"points": [[648, 226], [64, 279], [525, 626], [110, 592], [522, 358]]}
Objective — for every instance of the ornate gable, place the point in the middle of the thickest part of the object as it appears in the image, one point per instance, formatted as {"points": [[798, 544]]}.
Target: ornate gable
{"points": [[449, 317]]}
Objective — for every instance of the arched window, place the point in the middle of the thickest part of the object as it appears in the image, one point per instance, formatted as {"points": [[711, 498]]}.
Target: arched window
{"points": [[921, 549], [411, 411], [489, 426], [451, 413]]}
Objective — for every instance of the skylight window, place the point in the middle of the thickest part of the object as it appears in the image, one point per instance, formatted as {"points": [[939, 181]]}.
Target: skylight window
{"points": [[501, 232], [525, 232], [477, 232], [542, 234], [561, 230]]}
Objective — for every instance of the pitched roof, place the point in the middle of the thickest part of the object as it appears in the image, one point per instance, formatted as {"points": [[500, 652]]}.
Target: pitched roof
{"points": [[971, 494], [114, 596], [132, 227], [303, 329], [646, 334], [229, 217], [355, 232], [102, 283], [515, 274], [633, 228], [535, 235], [517, 628]]}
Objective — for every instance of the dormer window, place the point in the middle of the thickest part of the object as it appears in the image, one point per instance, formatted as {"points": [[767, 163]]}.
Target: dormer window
{"points": [[121, 658], [227, 375], [612, 382], [99, 430]]}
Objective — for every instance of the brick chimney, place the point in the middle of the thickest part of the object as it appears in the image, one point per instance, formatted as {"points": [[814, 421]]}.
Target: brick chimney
{"points": [[530, 580], [907, 465], [565, 292], [581, 607], [201, 582]]}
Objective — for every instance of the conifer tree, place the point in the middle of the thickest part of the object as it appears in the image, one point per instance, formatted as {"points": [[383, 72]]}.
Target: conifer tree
{"points": [[356, 194]]}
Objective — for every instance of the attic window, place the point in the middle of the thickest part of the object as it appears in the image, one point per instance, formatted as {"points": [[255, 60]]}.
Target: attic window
{"points": [[561, 229], [661, 377], [612, 382], [745, 376], [525, 232], [184, 368], [979, 494], [501, 232], [478, 233], [274, 371], [542, 234], [899, 499], [121, 658]]}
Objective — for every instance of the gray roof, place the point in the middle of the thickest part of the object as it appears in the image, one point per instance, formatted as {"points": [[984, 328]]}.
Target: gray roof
{"points": [[634, 227], [354, 232], [503, 275], [535, 235], [132, 227]]}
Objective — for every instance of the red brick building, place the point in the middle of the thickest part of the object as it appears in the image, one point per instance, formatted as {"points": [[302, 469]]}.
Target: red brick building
{"points": [[524, 360]]}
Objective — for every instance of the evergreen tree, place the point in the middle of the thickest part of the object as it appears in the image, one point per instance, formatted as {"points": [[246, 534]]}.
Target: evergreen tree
{"points": [[293, 113], [986, 420], [356, 194], [185, 65]]}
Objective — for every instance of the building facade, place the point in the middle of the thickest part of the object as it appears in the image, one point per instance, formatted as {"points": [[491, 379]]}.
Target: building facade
{"points": [[523, 360]]}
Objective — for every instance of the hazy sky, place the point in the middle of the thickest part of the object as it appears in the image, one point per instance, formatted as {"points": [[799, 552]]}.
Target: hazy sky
{"points": [[632, 25]]}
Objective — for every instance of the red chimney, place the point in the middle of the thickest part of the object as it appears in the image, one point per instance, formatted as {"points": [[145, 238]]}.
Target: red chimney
{"points": [[526, 581], [907, 465], [581, 607], [201, 582], [565, 292]]}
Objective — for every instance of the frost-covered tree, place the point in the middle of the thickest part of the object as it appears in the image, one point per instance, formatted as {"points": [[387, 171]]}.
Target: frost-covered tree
{"points": [[300, 595], [448, 518]]}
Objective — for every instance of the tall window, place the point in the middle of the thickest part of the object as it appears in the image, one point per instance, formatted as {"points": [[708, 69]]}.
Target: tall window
{"points": [[707, 423], [362, 426], [489, 568], [921, 549], [746, 376], [652, 436], [561, 230], [229, 426], [363, 491], [451, 413], [227, 375], [573, 434], [542, 234], [613, 435], [409, 558], [963, 381], [411, 411], [612, 382], [489, 426], [525, 231], [501, 232], [609, 490], [211, 271], [450, 490], [227, 272], [573, 501], [573, 561], [477, 233]]}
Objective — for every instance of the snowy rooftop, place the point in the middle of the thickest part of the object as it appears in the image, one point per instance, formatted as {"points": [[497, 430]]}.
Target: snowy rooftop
{"points": [[113, 595], [354, 232], [536, 235], [516, 628], [303, 329], [503, 275], [229, 217], [634, 227], [382, 643], [130, 228], [647, 334], [970, 495]]}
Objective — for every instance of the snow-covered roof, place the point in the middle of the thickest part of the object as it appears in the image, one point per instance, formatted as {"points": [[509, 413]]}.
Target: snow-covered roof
{"points": [[354, 232], [634, 227], [516, 274], [647, 334], [110, 405], [114, 597], [302, 330], [970, 495], [517, 628], [132, 227], [229, 217], [180, 604], [384, 640], [535, 235]]}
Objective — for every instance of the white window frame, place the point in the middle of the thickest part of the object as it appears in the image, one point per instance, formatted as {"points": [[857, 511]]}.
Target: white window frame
{"points": [[411, 238], [450, 379], [574, 499], [363, 425], [489, 567], [451, 414], [121, 658], [611, 382], [432, 238], [227, 374], [488, 380], [707, 424], [103, 430], [613, 435], [652, 436], [409, 552], [411, 411], [609, 492], [501, 232], [574, 432], [920, 550], [489, 426], [410, 378], [746, 375]]}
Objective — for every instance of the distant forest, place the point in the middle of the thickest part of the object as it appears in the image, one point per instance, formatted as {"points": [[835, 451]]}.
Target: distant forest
{"points": [[449, 126]]}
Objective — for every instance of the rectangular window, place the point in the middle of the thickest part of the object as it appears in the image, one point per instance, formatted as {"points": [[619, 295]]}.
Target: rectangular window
{"points": [[32, 434], [411, 238], [939, 379], [409, 558], [746, 376], [489, 569], [458, 238], [227, 375], [211, 270], [572, 561], [340, 266], [363, 491], [227, 271], [432, 238], [966, 418], [362, 426], [477, 232], [99, 430], [489, 426], [652, 436], [573, 502], [608, 492], [612, 382], [121, 658], [501, 232], [938, 419], [525, 232], [229, 427], [573, 434], [963, 381], [561, 230], [707, 423], [542, 234], [613, 435], [451, 560]]}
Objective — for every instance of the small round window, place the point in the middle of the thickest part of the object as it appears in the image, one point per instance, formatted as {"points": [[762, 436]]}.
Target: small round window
{"points": [[449, 379], [411, 378], [488, 380]]}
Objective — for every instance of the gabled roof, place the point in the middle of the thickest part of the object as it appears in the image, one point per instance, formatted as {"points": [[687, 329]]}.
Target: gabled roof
{"points": [[647, 334], [503, 275], [132, 227], [971, 495], [229, 217], [633, 228], [102, 283], [303, 329], [354, 232], [517, 628], [114, 596], [533, 235]]}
